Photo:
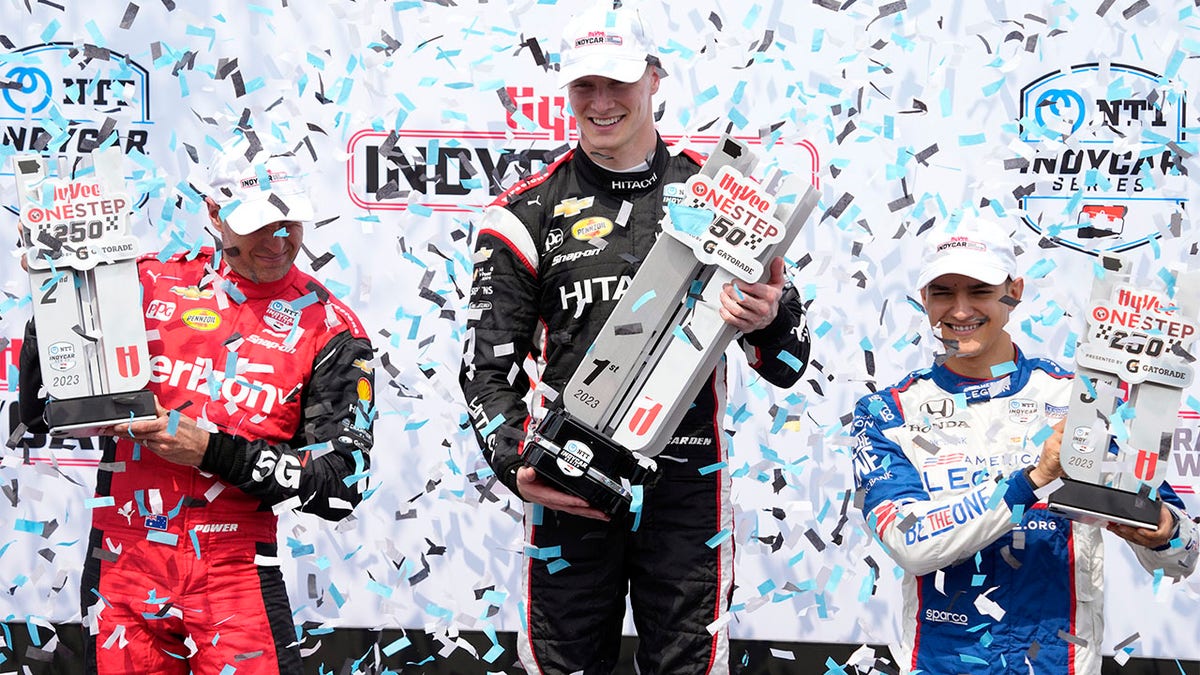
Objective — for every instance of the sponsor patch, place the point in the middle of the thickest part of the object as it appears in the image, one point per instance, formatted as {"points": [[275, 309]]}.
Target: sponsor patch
{"points": [[281, 316], [203, 320], [591, 228], [572, 207], [192, 292], [160, 310], [1022, 410]]}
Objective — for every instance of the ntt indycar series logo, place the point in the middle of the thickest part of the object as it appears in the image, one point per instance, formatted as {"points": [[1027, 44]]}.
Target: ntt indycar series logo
{"points": [[95, 91], [456, 170], [1108, 172]]}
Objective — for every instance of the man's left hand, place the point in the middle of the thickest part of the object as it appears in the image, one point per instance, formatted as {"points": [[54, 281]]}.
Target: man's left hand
{"points": [[186, 446], [750, 307], [1144, 537]]}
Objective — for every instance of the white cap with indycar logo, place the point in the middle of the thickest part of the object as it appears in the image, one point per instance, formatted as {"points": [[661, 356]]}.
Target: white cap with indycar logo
{"points": [[263, 188], [607, 42], [978, 249]]}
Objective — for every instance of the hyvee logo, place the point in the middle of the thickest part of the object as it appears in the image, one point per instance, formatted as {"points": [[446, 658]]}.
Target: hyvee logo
{"points": [[440, 170], [1095, 193], [86, 85]]}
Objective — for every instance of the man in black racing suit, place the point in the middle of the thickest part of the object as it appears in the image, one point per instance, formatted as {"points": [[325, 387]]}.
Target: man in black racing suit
{"points": [[553, 256]]}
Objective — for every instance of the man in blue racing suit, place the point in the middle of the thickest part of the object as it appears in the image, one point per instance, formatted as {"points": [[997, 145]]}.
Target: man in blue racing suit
{"points": [[947, 467]]}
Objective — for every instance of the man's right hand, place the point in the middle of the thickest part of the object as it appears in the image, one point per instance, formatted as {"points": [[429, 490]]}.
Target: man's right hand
{"points": [[534, 489]]}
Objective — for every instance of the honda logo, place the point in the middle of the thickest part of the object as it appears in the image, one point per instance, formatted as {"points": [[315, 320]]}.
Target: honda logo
{"points": [[938, 408]]}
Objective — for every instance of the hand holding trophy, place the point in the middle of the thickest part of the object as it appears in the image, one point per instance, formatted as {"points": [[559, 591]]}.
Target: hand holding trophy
{"points": [[1132, 367], [81, 259]]}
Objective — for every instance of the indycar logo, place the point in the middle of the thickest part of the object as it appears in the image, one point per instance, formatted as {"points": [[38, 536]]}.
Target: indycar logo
{"points": [[281, 316], [575, 459]]}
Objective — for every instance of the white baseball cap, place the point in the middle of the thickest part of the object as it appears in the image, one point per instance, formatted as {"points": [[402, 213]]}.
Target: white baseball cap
{"points": [[978, 249], [608, 42], [265, 189]]}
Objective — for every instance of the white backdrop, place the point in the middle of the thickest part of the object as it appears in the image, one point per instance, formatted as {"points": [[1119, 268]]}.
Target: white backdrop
{"points": [[408, 115]]}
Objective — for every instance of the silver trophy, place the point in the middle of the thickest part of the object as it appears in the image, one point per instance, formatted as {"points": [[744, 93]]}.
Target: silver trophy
{"points": [[666, 335], [1131, 369], [87, 305]]}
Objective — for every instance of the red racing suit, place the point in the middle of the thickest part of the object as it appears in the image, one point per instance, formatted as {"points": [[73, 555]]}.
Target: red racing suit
{"points": [[181, 569]]}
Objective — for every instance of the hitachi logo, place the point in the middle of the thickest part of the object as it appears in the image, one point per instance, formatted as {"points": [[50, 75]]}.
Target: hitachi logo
{"points": [[215, 527], [624, 185], [199, 376], [587, 291]]}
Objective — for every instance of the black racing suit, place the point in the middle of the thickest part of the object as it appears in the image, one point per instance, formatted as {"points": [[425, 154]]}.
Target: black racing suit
{"points": [[544, 288]]}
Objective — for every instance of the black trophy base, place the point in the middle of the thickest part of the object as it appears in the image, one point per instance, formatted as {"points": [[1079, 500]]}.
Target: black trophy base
{"points": [[85, 416], [578, 460], [1099, 505]]}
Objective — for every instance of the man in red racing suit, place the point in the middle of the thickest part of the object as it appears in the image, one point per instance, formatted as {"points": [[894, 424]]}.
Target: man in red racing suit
{"points": [[265, 403]]}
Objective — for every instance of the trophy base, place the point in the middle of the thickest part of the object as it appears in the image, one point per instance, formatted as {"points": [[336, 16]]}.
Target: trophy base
{"points": [[576, 459], [1099, 505], [85, 416]]}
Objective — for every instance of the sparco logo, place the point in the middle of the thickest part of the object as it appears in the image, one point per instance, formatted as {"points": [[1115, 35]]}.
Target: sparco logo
{"points": [[1096, 193], [939, 616], [100, 92]]}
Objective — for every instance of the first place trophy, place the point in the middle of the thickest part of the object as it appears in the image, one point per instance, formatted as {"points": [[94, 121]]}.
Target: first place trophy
{"points": [[1131, 369], [666, 335], [81, 259]]}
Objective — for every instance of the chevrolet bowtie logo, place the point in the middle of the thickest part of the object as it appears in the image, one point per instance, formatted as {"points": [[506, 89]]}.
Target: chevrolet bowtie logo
{"points": [[572, 207]]}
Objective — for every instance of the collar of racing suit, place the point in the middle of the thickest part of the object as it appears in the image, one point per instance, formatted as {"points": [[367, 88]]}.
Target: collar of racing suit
{"points": [[1004, 384], [623, 183]]}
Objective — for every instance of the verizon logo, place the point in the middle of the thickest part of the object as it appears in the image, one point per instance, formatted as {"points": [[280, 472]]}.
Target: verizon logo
{"points": [[198, 376]]}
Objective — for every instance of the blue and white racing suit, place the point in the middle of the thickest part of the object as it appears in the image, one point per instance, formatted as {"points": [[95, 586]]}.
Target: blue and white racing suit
{"points": [[994, 582]]}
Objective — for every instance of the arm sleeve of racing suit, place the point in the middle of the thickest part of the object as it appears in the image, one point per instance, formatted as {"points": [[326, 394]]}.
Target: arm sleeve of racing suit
{"points": [[500, 334], [779, 351], [326, 462], [915, 527], [32, 406], [1177, 559]]}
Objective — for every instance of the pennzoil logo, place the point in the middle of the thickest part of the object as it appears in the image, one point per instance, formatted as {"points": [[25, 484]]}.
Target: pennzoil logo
{"points": [[591, 228], [192, 292], [201, 319], [1091, 185]]}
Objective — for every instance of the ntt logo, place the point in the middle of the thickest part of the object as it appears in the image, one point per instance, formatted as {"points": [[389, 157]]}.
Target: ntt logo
{"points": [[1085, 187]]}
